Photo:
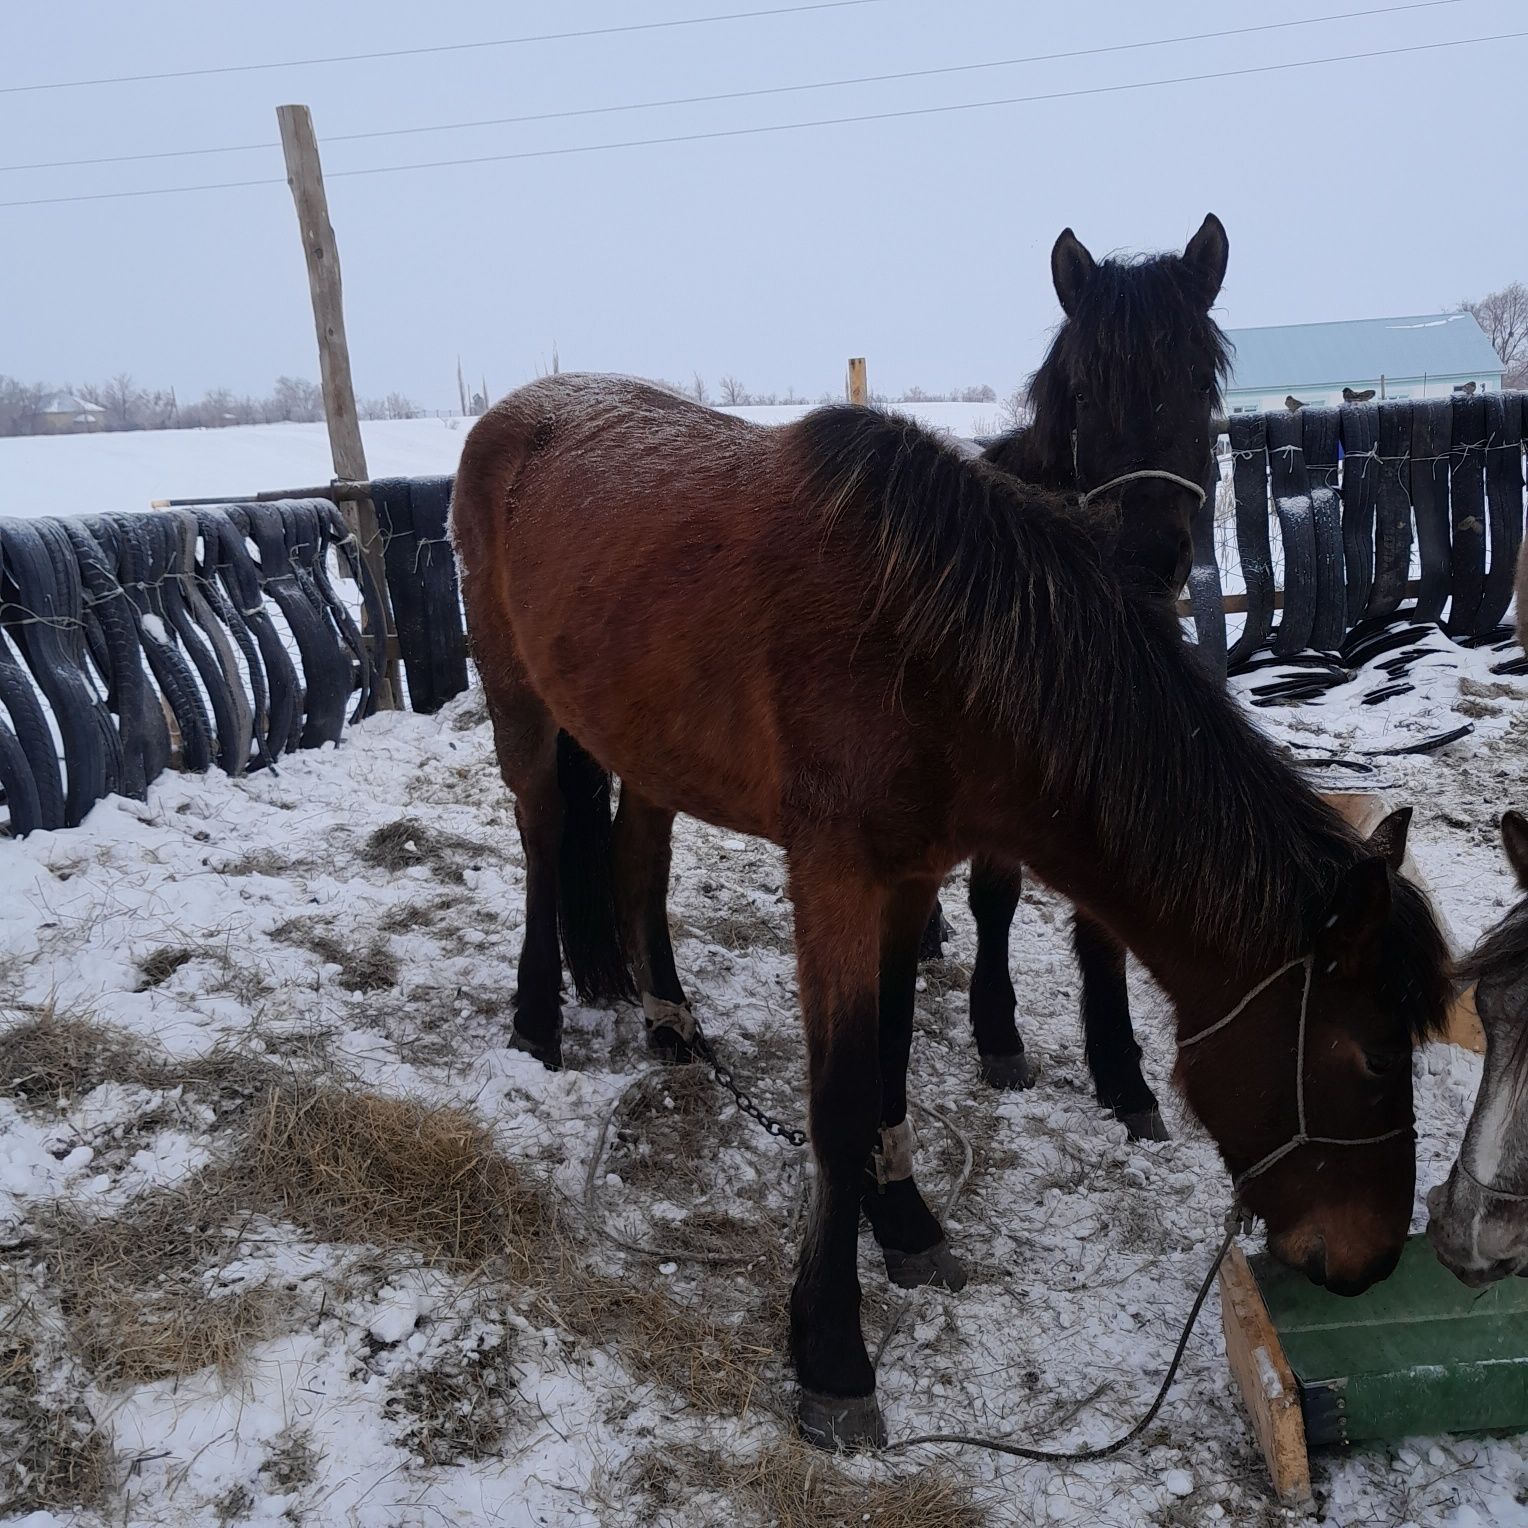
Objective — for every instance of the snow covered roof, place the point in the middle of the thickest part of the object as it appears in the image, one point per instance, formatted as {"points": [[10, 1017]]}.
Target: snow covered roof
{"points": [[67, 403], [1288, 356]]}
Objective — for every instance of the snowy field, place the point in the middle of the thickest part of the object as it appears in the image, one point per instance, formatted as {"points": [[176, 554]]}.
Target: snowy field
{"points": [[204, 1321], [354, 919], [88, 474]]}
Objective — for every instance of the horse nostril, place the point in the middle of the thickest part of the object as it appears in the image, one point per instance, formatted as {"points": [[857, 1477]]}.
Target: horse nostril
{"points": [[1315, 1261]]}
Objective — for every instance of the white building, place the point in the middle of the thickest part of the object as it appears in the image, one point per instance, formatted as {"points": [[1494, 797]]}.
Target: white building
{"points": [[1425, 357]]}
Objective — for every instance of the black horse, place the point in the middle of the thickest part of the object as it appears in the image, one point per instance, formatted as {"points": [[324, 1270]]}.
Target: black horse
{"points": [[1122, 407]]}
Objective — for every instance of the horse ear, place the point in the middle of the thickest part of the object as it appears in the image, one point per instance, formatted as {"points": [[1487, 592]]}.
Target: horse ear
{"points": [[1388, 840], [1349, 939], [1206, 256], [1071, 265], [1514, 837]]}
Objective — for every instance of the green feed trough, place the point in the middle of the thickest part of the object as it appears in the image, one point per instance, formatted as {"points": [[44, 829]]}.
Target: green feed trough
{"points": [[1418, 1354]]}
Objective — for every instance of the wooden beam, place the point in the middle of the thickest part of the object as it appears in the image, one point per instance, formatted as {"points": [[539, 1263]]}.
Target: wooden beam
{"points": [[858, 388], [1268, 1386], [305, 176]]}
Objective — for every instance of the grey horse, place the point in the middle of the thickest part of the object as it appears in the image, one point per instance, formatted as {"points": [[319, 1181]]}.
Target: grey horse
{"points": [[1479, 1219]]}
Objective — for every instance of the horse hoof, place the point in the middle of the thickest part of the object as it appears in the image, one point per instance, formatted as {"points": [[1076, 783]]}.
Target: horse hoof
{"points": [[1145, 1125], [670, 1046], [1008, 1072], [547, 1052], [937, 1265], [841, 1421]]}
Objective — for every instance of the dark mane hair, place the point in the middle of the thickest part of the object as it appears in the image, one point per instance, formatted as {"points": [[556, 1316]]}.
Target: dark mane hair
{"points": [[982, 574], [1502, 956], [1132, 315]]}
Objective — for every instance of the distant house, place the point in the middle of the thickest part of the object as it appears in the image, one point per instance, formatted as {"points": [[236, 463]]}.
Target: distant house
{"points": [[64, 414], [1424, 357]]}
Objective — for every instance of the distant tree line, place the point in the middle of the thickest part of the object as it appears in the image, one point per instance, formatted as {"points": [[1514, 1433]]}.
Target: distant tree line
{"points": [[124, 405]]}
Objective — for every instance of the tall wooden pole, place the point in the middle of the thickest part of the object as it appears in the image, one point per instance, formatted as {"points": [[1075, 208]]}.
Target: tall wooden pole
{"points": [[305, 175], [859, 388]]}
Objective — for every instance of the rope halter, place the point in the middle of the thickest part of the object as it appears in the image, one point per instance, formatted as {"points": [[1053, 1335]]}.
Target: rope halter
{"points": [[1187, 484], [1159, 473], [1302, 1135]]}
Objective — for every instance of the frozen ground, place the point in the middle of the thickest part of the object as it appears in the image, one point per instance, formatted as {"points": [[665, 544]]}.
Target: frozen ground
{"points": [[250, 917]]}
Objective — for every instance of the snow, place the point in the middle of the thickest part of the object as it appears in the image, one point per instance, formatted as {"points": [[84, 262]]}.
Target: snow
{"points": [[1085, 1248], [89, 474]]}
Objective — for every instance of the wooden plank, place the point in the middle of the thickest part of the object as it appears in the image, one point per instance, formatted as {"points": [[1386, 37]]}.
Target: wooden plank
{"points": [[305, 176], [1267, 1384], [858, 389]]}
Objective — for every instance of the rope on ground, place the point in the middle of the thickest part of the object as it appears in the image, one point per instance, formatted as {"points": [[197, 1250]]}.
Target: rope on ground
{"points": [[661, 1254], [1104, 1451]]}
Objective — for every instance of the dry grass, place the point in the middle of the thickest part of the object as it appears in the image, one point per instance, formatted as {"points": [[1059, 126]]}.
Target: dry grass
{"points": [[158, 966], [408, 842], [458, 1407], [789, 1485], [53, 1456], [369, 967], [714, 1366], [668, 1131], [357, 1167], [138, 1289], [58, 1055]]}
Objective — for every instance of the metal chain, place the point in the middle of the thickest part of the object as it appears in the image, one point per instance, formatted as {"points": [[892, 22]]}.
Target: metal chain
{"points": [[793, 1135]]}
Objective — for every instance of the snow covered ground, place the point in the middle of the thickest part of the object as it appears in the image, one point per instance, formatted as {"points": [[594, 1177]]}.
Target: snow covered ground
{"points": [[287, 940], [86, 474]]}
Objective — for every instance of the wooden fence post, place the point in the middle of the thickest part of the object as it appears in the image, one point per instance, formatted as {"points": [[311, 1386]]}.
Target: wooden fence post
{"points": [[305, 176], [859, 389]]}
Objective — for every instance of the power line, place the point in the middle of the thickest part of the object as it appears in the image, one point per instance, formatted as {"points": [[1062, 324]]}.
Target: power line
{"points": [[792, 127], [450, 47], [742, 95]]}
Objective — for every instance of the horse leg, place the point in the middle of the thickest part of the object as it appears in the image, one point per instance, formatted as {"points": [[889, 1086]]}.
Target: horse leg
{"points": [[910, 1236], [643, 851], [1114, 1057], [838, 920], [995, 893]]}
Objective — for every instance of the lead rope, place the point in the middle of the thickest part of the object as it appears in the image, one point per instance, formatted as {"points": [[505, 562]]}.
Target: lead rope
{"points": [[1234, 1220]]}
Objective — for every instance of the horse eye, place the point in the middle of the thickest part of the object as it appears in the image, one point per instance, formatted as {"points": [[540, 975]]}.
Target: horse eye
{"points": [[1082, 397], [1385, 1063]]}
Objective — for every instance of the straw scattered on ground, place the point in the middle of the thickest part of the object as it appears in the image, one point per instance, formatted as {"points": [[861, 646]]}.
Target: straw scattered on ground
{"points": [[790, 1485]]}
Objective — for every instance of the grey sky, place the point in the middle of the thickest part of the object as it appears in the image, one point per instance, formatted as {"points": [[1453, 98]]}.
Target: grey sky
{"points": [[1348, 190]]}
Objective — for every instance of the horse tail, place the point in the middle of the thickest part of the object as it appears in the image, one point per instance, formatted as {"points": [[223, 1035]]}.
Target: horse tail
{"points": [[586, 893]]}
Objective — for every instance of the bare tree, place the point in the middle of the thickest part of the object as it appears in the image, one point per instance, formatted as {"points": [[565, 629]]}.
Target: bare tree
{"points": [[396, 406], [20, 404], [1504, 317], [119, 401], [733, 392], [297, 399], [698, 390]]}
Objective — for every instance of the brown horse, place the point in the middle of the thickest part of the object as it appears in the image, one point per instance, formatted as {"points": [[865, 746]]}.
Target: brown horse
{"points": [[850, 639]]}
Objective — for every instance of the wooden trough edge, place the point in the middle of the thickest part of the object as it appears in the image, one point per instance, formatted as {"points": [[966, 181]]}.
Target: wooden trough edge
{"points": [[1265, 1381]]}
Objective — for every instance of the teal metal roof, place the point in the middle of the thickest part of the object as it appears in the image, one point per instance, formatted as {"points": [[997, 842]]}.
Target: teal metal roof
{"points": [[1360, 350]]}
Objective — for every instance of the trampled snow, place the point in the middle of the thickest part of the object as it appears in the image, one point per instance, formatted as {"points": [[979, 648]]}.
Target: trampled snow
{"points": [[1084, 1248]]}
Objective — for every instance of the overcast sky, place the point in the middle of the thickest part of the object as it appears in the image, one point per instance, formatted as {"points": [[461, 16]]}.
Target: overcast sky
{"points": [[1373, 187]]}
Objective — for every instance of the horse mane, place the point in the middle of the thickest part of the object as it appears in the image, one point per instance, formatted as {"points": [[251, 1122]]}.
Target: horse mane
{"points": [[1008, 588], [1135, 319], [1502, 956]]}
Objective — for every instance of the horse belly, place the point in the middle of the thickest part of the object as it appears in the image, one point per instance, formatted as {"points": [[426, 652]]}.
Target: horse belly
{"points": [[658, 684]]}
